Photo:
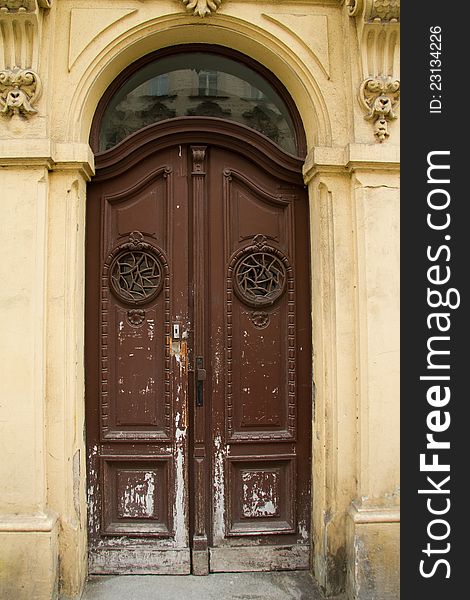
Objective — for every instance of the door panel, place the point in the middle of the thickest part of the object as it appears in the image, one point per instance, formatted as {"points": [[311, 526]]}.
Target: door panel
{"points": [[134, 501], [198, 359], [260, 499], [137, 289]]}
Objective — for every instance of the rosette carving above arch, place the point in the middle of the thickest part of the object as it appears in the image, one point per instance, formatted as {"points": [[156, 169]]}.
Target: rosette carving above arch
{"points": [[202, 8]]}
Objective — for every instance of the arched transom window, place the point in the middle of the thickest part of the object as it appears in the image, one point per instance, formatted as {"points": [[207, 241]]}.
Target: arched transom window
{"points": [[195, 84]]}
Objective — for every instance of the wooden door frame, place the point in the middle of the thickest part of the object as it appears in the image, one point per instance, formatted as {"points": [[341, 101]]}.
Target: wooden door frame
{"points": [[196, 133]]}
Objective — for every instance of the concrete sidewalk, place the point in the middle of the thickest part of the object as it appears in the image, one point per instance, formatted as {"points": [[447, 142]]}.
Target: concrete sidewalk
{"points": [[281, 585]]}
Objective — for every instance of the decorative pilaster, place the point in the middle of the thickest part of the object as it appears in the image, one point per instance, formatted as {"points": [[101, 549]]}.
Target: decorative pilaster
{"points": [[20, 44], [377, 24], [202, 8]]}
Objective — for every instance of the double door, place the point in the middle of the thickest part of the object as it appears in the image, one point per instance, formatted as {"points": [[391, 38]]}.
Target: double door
{"points": [[198, 358]]}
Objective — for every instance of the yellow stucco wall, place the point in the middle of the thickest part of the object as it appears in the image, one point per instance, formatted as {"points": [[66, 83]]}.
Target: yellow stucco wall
{"points": [[316, 49]]}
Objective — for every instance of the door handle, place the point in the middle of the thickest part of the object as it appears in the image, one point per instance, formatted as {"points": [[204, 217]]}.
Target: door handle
{"points": [[200, 378]]}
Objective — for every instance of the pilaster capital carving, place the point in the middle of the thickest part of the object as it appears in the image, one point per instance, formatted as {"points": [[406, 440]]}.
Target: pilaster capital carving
{"points": [[20, 44], [377, 26], [375, 10], [199, 156], [23, 6], [19, 89], [202, 8]]}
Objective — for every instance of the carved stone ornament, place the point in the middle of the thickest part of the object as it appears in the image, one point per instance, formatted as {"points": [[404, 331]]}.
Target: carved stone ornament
{"points": [[380, 97], [377, 28], [202, 8], [19, 90], [375, 10], [21, 23], [23, 5]]}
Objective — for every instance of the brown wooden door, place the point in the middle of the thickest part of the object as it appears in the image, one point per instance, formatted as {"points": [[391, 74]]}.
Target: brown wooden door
{"points": [[198, 353]]}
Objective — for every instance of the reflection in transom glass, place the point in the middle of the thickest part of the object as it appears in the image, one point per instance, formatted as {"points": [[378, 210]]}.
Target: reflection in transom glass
{"points": [[197, 84]]}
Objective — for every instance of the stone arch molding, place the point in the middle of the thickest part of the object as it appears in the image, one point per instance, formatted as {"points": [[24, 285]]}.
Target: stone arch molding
{"points": [[178, 29]]}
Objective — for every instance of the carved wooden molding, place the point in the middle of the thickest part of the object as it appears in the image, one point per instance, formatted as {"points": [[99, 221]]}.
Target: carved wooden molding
{"points": [[259, 245], [202, 8], [135, 316], [377, 25], [20, 44], [199, 156]]}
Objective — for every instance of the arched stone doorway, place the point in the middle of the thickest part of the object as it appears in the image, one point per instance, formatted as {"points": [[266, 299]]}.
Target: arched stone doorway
{"points": [[198, 336], [322, 52]]}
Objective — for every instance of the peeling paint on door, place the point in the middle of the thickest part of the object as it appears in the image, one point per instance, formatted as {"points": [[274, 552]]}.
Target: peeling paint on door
{"points": [[138, 499], [181, 538], [260, 496], [303, 531], [219, 488]]}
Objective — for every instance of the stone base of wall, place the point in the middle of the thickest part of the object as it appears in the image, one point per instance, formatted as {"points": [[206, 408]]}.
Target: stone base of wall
{"points": [[28, 557], [373, 547]]}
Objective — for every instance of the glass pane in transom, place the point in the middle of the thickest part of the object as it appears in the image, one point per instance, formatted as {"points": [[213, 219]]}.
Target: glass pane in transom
{"points": [[197, 84]]}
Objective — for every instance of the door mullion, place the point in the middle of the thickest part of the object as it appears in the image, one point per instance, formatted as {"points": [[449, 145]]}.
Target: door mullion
{"points": [[200, 555]]}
